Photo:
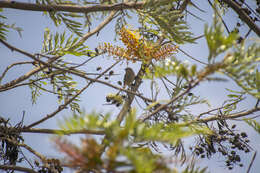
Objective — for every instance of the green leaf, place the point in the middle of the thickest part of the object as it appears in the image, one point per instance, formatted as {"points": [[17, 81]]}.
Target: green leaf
{"points": [[257, 77], [193, 70], [253, 124], [217, 41]]}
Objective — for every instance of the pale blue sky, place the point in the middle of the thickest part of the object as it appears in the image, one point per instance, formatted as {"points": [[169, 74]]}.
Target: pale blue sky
{"points": [[14, 101]]}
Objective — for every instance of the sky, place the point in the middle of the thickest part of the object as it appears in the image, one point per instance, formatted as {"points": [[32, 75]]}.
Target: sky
{"points": [[15, 101]]}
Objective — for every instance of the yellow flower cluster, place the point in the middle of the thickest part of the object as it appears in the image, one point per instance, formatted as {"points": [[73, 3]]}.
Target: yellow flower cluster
{"points": [[137, 49], [131, 40]]}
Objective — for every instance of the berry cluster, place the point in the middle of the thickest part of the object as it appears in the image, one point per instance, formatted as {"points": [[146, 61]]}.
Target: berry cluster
{"points": [[225, 141], [53, 166]]}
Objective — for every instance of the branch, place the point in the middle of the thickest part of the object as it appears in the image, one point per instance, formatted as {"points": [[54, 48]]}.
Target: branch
{"points": [[243, 16], [97, 29], [188, 55], [84, 75], [127, 104], [110, 85], [65, 132], [28, 74], [161, 107], [219, 15], [23, 84], [69, 7], [43, 159], [17, 168], [37, 69], [12, 65], [251, 163], [61, 107], [225, 117]]}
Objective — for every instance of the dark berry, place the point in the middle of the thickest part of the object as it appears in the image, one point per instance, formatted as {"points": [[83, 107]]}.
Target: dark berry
{"points": [[244, 135], [111, 72], [119, 82], [190, 94]]}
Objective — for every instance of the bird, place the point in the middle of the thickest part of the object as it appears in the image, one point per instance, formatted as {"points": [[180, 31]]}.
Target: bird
{"points": [[129, 77]]}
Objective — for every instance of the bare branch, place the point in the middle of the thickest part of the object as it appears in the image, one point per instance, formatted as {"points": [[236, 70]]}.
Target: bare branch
{"points": [[225, 117], [69, 7], [243, 16], [12, 65], [251, 163], [65, 132], [23, 84], [17, 168], [28, 74]]}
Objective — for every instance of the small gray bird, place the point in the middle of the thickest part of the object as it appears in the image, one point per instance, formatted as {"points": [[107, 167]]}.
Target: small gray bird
{"points": [[129, 77]]}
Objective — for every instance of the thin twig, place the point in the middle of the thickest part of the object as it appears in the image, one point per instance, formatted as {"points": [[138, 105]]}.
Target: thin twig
{"points": [[26, 159], [161, 107], [216, 11], [59, 109], [188, 55], [30, 73], [23, 84], [251, 163], [98, 28], [12, 65], [47, 90]]}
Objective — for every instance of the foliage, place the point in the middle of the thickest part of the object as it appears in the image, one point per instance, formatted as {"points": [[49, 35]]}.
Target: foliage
{"points": [[59, 45], [67, 18], [9, 151], [243, 68], [254, 124], [62, 83], [168, 22], [4, 27], [128, 141], [216, 40]]}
